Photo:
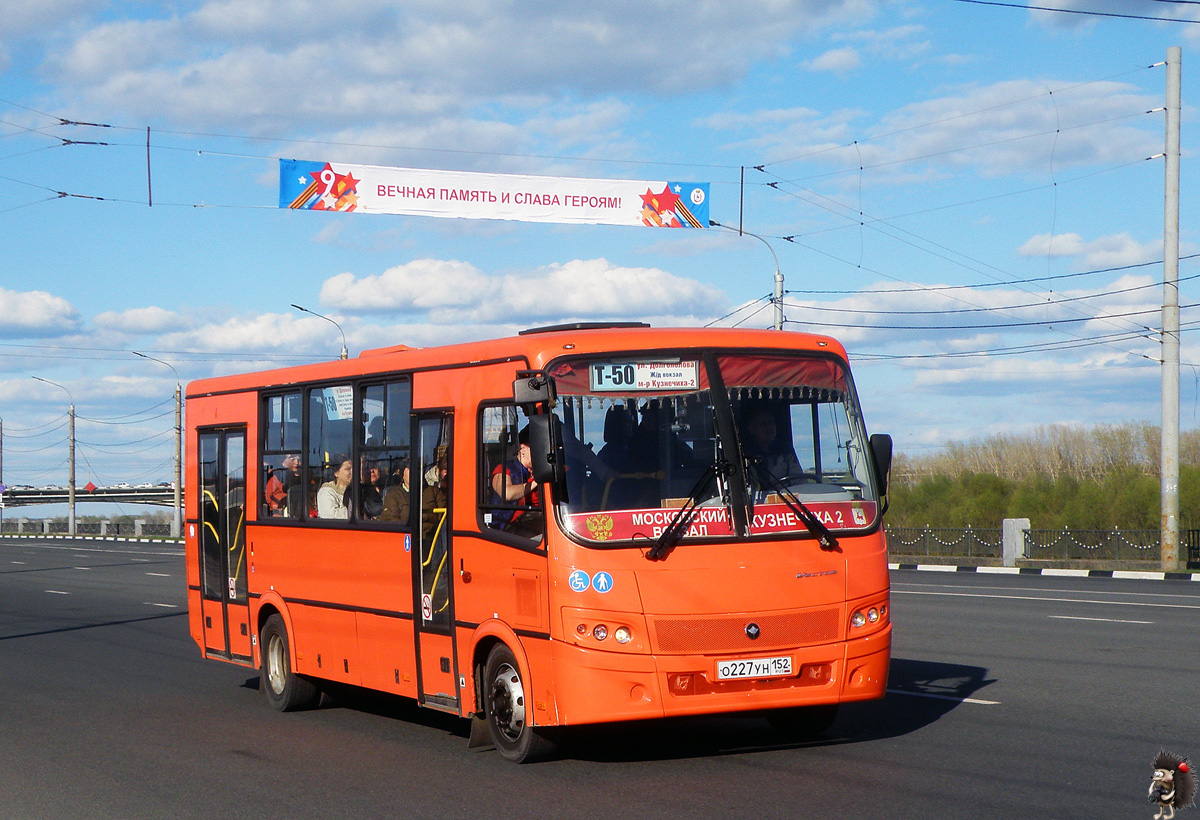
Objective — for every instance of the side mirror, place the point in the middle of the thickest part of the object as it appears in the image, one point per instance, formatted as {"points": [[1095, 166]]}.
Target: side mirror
{"points": [[546, 449], [534, 387], [881, 451]]}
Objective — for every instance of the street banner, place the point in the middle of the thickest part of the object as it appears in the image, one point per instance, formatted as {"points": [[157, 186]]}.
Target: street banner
{"points": [[327, 186]]}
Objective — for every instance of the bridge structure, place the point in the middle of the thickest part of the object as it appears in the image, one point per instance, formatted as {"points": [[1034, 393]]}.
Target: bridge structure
{"points": [[27, 496]]}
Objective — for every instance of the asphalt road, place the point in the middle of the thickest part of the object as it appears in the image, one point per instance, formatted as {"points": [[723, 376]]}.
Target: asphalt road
{"points": [[1011, 696]]}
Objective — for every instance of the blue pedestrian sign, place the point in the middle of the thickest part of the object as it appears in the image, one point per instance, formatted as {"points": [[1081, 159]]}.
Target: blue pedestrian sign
{"points": [[602, 582]]}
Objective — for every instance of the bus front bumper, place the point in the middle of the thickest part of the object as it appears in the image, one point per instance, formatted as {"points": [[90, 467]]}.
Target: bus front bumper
{"points": [[596, 687]]}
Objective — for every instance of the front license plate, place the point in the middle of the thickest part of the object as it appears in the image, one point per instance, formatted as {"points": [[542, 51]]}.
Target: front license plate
{"points": [[754, 668]]}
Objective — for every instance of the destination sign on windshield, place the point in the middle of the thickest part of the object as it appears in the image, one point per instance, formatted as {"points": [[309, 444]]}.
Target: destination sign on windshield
{"points": [[634, 376]]}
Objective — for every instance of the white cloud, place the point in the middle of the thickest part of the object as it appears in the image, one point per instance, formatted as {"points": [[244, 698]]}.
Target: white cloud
{"points": [[140, 321], [1010, 127], [839, 59], [35, 313], [1106, 252], [451, 292], [256, 63]]}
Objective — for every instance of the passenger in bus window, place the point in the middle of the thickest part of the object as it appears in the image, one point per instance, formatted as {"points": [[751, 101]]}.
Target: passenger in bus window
{"points": [[762, 443], [331, 498], [396, 499], [370, 494], [434, 496], [513, 483], [278, 484]]}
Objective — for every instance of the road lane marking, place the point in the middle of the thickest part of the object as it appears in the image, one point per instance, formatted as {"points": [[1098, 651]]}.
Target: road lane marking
{"points": [[1190, 595], [1105, 620], [976, 701], [167, 606], [160, 574], [57, 592], [1048, 600]]}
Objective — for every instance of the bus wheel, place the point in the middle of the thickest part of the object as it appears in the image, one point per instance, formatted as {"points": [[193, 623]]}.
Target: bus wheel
{"points": [[507, 716], [803, 722], [284, 689]]}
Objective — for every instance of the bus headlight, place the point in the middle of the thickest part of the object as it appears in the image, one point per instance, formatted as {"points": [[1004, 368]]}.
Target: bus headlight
{"points": [[600, 632], [623, 634]]}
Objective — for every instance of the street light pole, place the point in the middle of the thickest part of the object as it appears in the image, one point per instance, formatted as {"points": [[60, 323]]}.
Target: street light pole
{"points": [[177, 496], [70, 456], [345, 352], [777, 298]]}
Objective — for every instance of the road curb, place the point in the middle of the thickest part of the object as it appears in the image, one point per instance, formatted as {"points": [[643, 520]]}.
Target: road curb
{"points": [[1069, 573]]}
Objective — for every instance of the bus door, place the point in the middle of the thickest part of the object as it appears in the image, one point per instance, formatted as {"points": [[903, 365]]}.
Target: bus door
{"points": [[433, 588], [222, 539]]}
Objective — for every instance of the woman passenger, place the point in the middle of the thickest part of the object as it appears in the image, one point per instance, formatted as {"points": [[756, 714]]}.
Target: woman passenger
{"points": [[331, 498]]}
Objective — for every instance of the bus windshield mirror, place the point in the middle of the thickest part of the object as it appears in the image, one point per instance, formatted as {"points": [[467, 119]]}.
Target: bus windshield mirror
{"points": [[813, 524], [546, 448]]}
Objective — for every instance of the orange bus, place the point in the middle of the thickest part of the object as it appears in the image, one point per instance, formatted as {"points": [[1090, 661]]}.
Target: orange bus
{"points": [[580, 524]]}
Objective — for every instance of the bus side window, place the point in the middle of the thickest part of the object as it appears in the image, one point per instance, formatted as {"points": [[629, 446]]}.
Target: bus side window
{"points": [[384, 486], [330, 432], [509, 498], [281, 482]]}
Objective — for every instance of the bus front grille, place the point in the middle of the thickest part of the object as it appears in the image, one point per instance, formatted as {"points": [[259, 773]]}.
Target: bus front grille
{"points": [[732, 633]]}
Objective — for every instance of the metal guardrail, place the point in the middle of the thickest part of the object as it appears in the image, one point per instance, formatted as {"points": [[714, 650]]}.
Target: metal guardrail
{"points": [[968, 542], [1064, 544], [106, 528]]}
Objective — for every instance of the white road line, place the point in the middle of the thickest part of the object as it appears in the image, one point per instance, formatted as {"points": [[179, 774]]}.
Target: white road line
{"points": [[1049, 600], [57, 592], [977, 701], [1189, 596], [168, 606], [1105, 620], [160, 574], [22, 563]]}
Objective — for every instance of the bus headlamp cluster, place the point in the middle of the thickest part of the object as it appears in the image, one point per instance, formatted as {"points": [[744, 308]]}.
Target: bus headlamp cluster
{"points": [[622, 634], [871, 615]]}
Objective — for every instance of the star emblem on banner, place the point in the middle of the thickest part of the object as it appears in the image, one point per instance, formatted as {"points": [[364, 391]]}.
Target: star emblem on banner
{"points": [[659, 210]]}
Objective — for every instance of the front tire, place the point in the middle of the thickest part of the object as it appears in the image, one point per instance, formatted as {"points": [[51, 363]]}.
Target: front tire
{"points": [[507, 708], [285, 691]]}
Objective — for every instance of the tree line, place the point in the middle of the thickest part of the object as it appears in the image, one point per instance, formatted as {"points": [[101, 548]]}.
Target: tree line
{"points": [[1056, 476]]}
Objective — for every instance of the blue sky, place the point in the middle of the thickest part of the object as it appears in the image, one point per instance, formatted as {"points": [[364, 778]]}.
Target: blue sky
{"points": [[936, 178]]}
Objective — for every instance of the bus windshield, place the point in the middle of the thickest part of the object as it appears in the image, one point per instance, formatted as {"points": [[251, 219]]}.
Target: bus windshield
{"points": [[644, 438]]}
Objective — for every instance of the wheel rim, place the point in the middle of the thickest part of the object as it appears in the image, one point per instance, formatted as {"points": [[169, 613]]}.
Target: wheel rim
{"points": [[276, 664], [508, 702]]}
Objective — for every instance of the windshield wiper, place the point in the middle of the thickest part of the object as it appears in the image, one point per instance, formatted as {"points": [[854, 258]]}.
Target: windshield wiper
{"points": [[682, 519], [824, 537]]}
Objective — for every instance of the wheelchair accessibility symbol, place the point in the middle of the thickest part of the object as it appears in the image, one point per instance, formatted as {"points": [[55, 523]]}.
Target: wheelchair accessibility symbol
{"points": [[579, 581]]}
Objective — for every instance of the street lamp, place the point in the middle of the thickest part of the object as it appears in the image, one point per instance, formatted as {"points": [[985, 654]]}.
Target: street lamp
{"points": [[177, 522], [777, 299], [345, 353], [70, 457]]}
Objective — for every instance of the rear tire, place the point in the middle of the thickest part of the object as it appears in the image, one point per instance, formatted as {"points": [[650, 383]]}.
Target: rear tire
{"points": [[285, 691], [507, 709], [803, 722]]}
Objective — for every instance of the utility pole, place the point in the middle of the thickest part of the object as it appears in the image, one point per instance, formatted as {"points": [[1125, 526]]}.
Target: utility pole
{"points": [[1170, 323], [177, 498], [70, 455], [777, 297], [345, 353]]}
